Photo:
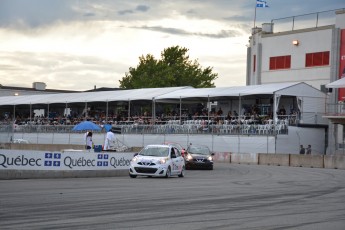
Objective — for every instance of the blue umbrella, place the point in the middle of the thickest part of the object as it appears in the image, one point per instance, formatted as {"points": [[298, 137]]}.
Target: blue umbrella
{"points": [[86, 125], [107, 127]]}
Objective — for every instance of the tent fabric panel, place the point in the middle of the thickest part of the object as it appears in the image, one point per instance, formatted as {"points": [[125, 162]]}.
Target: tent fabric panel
{"points": [[301, 89], [170, 93], [337, 84], [117, 95]]}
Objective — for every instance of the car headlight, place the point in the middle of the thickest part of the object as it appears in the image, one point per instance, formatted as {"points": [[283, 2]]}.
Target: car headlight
{"points": [[162, 161], [189, 157], [210, 158], [134, 159]]}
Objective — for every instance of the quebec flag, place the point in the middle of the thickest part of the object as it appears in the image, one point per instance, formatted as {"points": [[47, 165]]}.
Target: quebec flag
{"points": [[260, 3]]}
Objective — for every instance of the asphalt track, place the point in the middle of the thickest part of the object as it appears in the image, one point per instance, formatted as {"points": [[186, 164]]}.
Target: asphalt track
{"points": [[229, 197]]}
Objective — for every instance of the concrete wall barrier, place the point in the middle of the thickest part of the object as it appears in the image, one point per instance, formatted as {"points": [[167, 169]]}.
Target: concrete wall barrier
{"points": [[221, 157], [244, 158], [334, 161], [24, 164], [312, 161], [45, 147], [274, 159], [294, 160], [44, 174]]}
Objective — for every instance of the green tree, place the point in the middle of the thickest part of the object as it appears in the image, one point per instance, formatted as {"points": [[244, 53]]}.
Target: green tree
{"points": [[173, 69]]}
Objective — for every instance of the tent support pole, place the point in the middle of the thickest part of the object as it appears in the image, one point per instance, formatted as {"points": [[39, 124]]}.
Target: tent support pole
{"points": [[275, 117], [208, 108], [66, 110], [180, 111], [14, 113], [85, 111], [129, 110], [239, 122], [106, 112], [48, 112], [30, 112], [153, 111]]}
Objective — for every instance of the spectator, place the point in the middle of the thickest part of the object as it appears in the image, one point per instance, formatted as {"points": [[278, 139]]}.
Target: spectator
{"points": [[282, 111], [88, 140], [229, 116], [235, 113], [109, 140], [301, 150], [309, 150]]}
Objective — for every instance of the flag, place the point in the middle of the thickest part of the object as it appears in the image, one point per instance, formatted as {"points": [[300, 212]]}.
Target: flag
{"points": [[261, 4]]}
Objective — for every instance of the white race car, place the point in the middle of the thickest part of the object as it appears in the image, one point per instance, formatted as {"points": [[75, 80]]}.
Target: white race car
{"points": [[157, 161]]}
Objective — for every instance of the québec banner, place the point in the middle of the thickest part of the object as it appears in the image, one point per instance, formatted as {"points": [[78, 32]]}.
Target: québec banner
{"points": [[39, 160]]}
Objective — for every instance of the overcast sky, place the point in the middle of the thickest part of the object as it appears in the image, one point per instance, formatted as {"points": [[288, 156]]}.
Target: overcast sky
{"points": [[79, 44]]}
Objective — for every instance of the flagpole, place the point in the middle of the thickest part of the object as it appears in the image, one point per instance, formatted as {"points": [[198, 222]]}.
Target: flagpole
{"points": [[255, 14]]}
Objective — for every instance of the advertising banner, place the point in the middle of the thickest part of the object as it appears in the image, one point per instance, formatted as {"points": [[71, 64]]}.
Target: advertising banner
{"points": [[38, 160]]}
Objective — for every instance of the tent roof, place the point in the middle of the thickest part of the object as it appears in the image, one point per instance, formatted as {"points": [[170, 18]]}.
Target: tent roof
{"points": [[290, 89], [337, 84], [161, 94], [102, 96]]}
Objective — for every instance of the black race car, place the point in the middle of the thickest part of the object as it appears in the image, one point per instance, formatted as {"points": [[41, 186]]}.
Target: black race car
{"points": [[198, 157]]}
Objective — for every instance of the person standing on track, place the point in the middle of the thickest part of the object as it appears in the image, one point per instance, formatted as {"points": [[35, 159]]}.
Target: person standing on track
{"points": [[109, 140]]}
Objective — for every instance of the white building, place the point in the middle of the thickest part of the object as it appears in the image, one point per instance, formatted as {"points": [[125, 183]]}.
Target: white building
{"points": [[314, 55]]}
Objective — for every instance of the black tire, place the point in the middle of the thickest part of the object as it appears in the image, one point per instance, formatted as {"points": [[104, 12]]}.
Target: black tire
{"points": [[132, 176], [168, 173], [182, 172]]}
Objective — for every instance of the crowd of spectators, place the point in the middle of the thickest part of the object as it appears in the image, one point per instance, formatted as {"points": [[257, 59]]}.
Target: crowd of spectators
{"points": [[250, 115]]}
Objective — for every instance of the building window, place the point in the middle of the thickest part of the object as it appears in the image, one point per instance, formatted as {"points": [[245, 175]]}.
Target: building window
{"points": [[317, 59], [280, 62], [254, 63]]}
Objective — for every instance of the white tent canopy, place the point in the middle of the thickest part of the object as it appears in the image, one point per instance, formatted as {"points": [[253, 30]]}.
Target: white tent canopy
{"points": [[103, 96], [289, 89], [162, 94], [337, 84]]}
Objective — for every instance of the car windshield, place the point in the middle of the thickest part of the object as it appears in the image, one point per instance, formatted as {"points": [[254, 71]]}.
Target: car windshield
{"points": [[198, 150], [155, 151]]}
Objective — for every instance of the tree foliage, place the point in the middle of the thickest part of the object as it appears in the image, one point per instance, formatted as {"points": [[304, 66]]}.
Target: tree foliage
{"points": [[173, 69]]}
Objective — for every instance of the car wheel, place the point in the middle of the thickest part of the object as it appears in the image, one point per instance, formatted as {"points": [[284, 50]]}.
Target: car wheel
{"points": [[182, 172], [211, 168], [132, 176], [168, 173]]}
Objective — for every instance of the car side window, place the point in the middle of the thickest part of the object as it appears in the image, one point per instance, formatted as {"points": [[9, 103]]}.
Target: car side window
{"points": [[173, 154], [177, 152]]}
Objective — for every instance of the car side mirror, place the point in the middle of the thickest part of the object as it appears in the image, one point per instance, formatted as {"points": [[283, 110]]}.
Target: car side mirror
{"points": [[212, 154], [135, 154]]}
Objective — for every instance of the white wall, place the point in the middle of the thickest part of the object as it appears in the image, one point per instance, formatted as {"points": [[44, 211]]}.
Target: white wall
{"points": [[310, 41], [218, 143], [301, 136], [340, 19]]}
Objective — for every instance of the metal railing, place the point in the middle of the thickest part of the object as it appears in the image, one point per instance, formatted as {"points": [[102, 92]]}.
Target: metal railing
{"points": [[312, 20], [195, 127], [335, 109]]}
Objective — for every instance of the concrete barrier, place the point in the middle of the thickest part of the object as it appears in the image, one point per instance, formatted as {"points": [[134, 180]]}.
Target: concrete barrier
{"points": [[221, 157], [274, 159], [25, 164], [244, 158], [312, 161], [45, 147], [334, 161], [44, 174]]}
